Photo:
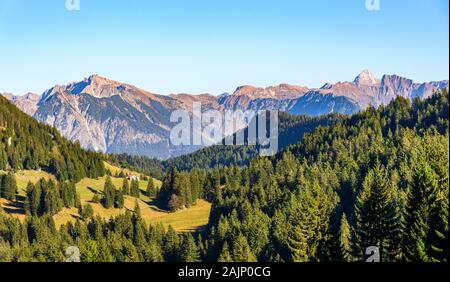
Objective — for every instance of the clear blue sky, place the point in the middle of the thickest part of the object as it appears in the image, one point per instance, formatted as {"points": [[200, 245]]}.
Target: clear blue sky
{"points": [[197, 46]]}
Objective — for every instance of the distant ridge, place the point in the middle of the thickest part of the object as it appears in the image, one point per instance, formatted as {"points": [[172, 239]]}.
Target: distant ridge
{"points": [[114, 117]]}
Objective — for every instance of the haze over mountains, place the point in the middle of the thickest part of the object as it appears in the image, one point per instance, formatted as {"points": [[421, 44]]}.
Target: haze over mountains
{"points": [[113, 117]]}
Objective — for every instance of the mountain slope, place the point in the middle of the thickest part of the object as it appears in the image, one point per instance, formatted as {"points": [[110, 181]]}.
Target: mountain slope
{"points": [[369, 171], [114, 117], [28, 103], [27, 144], [291, 131], [109, 116]]}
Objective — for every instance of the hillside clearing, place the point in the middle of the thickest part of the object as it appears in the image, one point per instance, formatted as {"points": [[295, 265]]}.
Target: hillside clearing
{"points": [[23, 177], [186, 220]]}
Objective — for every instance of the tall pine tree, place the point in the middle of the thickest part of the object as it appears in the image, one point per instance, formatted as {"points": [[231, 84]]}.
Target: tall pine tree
{"points": [[109, 192], [377, 217], [426, 219]]}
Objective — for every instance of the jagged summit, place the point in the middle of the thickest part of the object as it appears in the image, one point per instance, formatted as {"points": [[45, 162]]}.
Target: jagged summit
{"points": [[366, 78], [100, 80], [246, 90], [94, 85], [326, 86], [115, 117], [281, 91]]}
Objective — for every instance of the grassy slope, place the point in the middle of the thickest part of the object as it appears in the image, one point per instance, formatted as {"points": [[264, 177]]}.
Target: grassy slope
{"points": [[88, 187], [186, 220], [25, 176]]}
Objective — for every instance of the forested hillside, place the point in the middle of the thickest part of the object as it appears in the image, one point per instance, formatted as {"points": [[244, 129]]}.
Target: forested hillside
{"points": [[27, 144], [149, 166], [291, 130], [378, 178]]}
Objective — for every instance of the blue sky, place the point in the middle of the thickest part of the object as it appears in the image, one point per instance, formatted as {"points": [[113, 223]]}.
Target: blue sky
{"points": [[197, 46]]}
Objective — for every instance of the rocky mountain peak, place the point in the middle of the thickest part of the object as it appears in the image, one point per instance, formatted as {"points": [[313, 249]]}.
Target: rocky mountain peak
{"points": [[281, 91], [245, 90], [94, 85], [27, 103], [32, 96], [326, 86], [98, 80], [366, 78], [396, 81], [114, 117]]}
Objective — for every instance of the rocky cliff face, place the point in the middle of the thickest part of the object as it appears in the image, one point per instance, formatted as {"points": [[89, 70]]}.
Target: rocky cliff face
{"points": [[28, 103], [114, 117], [341, 97], [109, 116]]}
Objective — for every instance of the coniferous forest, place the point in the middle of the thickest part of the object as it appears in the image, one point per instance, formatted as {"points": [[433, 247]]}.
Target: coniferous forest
{"points": [[27, 144], [378, 178]]}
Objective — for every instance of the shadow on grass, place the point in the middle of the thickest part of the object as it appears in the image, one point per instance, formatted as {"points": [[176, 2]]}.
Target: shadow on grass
{"points": [[20, 198], [92, 190], [152, 204], [74, 216], [156, 206], [14, 208]]}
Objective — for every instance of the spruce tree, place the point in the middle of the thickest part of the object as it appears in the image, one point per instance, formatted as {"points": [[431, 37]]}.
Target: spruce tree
{"points": [[86, 211], [137, 209], [95, 251], [52, 201], [31, 205], [2, 185], [119, 200], [309, 224], [439, 237], [171, 244], [345, 239], [377, 217], [108, 193], [8, 187], [426, 219], [151, 189], [225, 255], [3, 159], [96, 199], [242, 251], [153, 253], [134, 190], [174, 203], [189, 250], [125, 187]]}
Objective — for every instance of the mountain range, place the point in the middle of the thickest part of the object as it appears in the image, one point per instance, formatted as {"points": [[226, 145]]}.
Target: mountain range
{"points": [[113, 117]]}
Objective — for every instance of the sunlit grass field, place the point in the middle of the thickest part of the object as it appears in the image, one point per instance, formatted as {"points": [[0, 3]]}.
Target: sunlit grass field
{"points": [[185, 220]]}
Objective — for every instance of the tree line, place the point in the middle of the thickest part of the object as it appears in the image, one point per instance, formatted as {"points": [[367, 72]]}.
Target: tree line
{"points": [[48, 198], [291, 130], [28, 144], [125, 238], [379, 178], [114, 197]]}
